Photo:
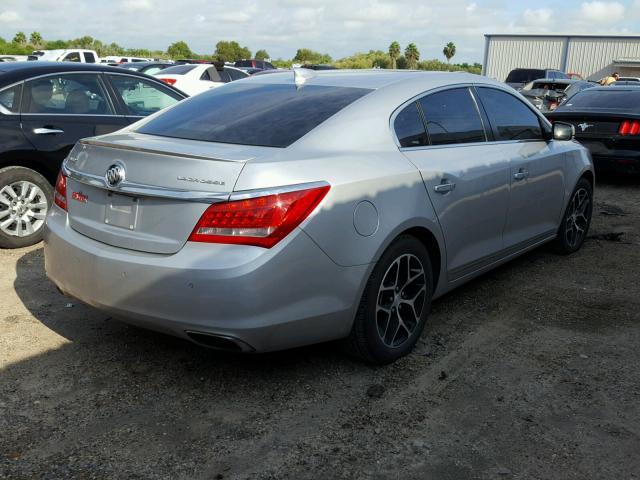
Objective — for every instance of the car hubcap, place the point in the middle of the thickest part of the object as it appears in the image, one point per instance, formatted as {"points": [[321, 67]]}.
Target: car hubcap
{"points": [[577, 218], [23, 208], [401, 300]]}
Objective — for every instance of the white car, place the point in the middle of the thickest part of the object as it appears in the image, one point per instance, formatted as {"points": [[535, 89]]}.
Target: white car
{"points": [[197, 78], [66, 55], [121, 59]]}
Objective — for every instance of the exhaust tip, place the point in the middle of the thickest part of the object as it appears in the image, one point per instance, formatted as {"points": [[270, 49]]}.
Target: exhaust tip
{"points": [[219, 342]]}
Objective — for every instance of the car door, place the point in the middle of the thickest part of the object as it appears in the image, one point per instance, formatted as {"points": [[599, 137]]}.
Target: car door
{"points": [[536, 184], [60, 109], [466, 177], [139, 97], [13, 140]]}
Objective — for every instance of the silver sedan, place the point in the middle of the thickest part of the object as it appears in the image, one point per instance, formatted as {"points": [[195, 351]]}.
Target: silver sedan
{"points": [[302, 207]]}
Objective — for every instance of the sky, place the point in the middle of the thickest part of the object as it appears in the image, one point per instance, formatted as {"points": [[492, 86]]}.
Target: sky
{"points": [[336, 27]]}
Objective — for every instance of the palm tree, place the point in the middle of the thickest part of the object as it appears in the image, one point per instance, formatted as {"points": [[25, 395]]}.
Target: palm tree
{"points": [[412, 55], [449, 51], [35, 39], [20, 38], [394, 53]]}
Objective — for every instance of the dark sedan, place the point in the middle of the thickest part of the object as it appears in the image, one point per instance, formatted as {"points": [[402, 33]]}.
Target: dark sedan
{"points": [[607, 122], [45, 108]]}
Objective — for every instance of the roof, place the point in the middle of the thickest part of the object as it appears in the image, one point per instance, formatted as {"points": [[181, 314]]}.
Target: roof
{"points": [[558, 35], [372, 78], [16, 71]]}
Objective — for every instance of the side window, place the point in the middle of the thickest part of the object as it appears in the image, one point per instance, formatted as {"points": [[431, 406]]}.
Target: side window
{"points": [[89, 57], [511, 118], [235, 74], [409, 127], [269, 65], [79, 94], [10, 99], [142, 97], [225, 77], [452, 117], [72, 57], [205, 76]]}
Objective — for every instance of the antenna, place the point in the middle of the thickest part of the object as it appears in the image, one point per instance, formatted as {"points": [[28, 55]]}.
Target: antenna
{"points": [[301, 75]]}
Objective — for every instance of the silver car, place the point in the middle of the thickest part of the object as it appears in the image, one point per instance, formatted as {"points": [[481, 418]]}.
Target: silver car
{"points": [[296, 208]]}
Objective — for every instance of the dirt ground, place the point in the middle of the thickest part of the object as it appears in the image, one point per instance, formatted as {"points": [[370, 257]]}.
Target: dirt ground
{"points": [[529, 372]]}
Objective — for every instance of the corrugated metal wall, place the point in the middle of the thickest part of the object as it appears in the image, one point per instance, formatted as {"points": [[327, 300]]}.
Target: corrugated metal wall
{"points": [[507, 53], [591, 57]]}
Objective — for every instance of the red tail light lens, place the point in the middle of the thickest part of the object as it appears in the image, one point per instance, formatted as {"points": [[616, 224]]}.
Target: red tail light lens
{"points": [[629, 128], [260, 221], [170, 81], [60, 194]]}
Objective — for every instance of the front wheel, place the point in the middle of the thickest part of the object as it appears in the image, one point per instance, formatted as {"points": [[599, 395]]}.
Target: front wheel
{"points": [[395, 303], [577, 218], [25, 199]]}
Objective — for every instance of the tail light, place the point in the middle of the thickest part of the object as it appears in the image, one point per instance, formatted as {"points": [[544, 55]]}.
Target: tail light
{"points": [[629, 128], [60, 194], [170, 81], [261, 221]]}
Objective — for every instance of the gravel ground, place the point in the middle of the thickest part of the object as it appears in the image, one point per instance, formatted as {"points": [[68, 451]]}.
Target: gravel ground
{"points": [[529, 372]]}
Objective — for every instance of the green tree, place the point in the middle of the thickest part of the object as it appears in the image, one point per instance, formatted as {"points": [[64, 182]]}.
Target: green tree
{"points": [[402, 63], [35, 39], [230, 51], [262, 55], [306, 55], [55, 44], [20, 38], [449, 51], [412, 55], [372, 59], [394, 53], [179, 49]]}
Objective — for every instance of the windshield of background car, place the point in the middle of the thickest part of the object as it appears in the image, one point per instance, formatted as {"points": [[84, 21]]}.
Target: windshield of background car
{"points": [[524, 75], [271, 115], [179, 69], [611, 99]]}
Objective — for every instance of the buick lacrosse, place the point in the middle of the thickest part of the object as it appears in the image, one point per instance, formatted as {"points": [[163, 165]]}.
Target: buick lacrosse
{"points": [[295, 208]]}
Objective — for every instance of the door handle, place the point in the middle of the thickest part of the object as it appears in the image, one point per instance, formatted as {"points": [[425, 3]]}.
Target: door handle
{"points": [[47, 131], [521, 174], [444, 187]]}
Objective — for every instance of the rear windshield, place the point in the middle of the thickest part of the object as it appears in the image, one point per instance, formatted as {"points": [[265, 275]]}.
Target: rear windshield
{"points": [[524, 75], [272, 115], [179, 69], [611, 99], [244, 63]]}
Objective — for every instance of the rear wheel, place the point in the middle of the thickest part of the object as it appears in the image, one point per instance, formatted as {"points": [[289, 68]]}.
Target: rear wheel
{"points": [[577, 218], [25, 199], [395, 303]]}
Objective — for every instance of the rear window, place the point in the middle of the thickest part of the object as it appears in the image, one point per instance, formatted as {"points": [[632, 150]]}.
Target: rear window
{"points": [[524, 75], [611, 99], [179, 69], [272, 115]]}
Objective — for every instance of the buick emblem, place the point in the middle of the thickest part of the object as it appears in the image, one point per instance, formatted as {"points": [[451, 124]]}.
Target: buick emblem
{"points": [[114, 175]]}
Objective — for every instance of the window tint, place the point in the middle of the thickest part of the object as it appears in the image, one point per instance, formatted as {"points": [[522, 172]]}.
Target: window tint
{"points": [[10, 99], [211, 75], [235, 74], [179, 69], [151, 70], [610, 98], [79, 94], [409, 127], [511, 119], [89, 57], [72, 57], [224, 76], [141, 96], [274, 115], [452, 117], [269, 66]]}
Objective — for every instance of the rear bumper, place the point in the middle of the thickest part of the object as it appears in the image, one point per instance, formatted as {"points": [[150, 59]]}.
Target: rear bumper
{"points": [[606, 159], [288, 296]]}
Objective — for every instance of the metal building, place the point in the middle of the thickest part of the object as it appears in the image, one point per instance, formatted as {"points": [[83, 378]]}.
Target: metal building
{"points": [[592, 56]]}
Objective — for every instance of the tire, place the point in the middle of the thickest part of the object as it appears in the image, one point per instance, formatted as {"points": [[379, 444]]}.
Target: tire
{"points": [[576, 219], [37, 193], [382, 303]]}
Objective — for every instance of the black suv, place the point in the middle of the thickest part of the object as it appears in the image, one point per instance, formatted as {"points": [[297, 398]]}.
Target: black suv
{"points": [[519, 77], [45, 108]]}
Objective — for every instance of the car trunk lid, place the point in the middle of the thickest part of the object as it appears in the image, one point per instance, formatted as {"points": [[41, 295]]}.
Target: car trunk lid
{"points": [[167, 185]]}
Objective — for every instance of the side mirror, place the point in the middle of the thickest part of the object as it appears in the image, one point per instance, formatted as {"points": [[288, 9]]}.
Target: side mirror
{"points": [[562, 131]]}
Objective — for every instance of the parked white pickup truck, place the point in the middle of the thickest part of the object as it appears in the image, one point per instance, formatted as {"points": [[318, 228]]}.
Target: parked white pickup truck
{"points": [[66, 55]]}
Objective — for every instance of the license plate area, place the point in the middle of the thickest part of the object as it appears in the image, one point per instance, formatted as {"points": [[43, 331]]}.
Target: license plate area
{"points": [[121, 211]]}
